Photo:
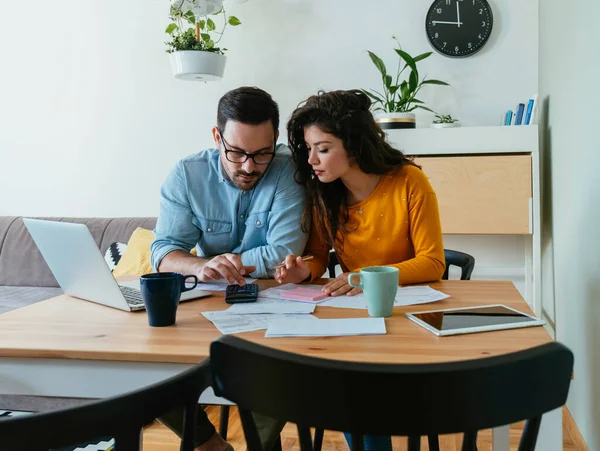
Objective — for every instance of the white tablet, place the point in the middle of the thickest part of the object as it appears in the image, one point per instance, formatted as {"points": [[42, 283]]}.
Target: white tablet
{"points": [[467, 320]]}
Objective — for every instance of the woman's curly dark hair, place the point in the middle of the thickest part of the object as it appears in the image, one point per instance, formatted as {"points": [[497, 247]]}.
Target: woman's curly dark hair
{"points": [[346, 115]]}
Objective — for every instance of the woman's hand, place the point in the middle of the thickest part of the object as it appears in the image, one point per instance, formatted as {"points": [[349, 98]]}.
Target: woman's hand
{"points": [[339, 286], [294, 270]]}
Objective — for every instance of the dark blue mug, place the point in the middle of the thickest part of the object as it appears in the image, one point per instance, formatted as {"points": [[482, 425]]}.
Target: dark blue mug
{"points": [[161, 292]]}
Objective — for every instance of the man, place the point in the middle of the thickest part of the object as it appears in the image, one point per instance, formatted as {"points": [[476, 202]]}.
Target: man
{"points": [[240, 207]]}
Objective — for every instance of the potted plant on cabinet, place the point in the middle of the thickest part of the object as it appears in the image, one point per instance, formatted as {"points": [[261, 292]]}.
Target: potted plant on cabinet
{"points": [[444, 121], [399, 97], [193, 49]]}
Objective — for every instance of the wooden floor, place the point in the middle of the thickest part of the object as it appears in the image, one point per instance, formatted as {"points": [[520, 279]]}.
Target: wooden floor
{"points": [[159, 438]]}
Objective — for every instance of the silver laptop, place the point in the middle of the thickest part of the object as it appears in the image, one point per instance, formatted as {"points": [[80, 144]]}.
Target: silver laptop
{"points": [[80, 269]]}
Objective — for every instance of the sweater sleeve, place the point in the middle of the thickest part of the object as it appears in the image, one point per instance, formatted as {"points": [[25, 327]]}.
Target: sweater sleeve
{"points": [[426, 235]]}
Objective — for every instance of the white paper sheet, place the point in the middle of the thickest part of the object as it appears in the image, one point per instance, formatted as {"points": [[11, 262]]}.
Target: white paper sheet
{"points": [[227, 323], [217, 285], [405, 296], [294, 327], [268, 305], [275, 292]]}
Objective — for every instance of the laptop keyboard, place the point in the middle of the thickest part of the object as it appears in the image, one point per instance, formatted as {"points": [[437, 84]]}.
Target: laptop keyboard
{"points": [[132, 296]]}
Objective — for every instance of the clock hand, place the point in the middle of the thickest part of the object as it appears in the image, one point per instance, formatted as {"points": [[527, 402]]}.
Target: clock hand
{"points": [[434, 22], [457, 14]]}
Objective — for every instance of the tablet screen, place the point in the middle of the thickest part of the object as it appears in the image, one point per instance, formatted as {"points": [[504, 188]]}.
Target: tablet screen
{"points": [[473, 317]]}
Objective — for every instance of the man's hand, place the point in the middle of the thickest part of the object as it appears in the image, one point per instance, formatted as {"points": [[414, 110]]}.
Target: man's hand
{"points": [[225, 266], [339, 286]]}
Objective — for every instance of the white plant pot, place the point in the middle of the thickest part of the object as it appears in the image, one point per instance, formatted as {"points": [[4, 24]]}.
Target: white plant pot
{"points": [[446, 125], [389, 121], [196, 65]]}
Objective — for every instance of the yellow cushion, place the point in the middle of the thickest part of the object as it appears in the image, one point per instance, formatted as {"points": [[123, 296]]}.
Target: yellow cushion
{"points": [[136, 258]]}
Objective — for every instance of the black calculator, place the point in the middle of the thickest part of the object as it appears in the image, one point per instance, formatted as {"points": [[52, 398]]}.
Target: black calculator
{"points": [[235, 293]]}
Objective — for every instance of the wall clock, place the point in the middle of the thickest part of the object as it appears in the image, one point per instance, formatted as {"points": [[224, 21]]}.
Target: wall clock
{"points": [[459, 28]]}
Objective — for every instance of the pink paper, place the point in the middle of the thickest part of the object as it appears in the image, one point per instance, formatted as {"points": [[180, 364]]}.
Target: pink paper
{"points": [[304, 294]]}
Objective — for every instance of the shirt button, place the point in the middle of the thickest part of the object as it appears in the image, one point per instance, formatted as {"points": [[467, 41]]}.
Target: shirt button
{"points": [[209, 230], [242, 216], [258, 222]]}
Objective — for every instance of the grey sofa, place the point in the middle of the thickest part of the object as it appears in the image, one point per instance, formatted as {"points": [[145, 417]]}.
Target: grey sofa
{"points": [[25, 277]]}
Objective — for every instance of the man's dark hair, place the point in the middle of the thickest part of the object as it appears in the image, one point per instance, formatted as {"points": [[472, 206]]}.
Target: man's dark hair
{"points": [[249, 105]]}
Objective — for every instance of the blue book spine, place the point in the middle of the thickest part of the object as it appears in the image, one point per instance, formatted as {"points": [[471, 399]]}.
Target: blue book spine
{"points": [[527, 120], [508, 117], [519, 113]]}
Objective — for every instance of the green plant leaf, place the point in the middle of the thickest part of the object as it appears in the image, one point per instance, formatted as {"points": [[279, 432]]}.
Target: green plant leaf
{"points": [[234, 21], [373, 96], [205, 37], [408, 59], [171, 28], [425, 108], [404, 91], [202, 23], [434, 82], [210, 25], [387, 80], [413, 81], [210, 44], [378, 62], [422, 56], [417, 101], [393, 89]]}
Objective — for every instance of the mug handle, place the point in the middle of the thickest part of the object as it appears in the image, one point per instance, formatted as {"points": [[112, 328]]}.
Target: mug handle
{"points": [[184, 288], [355, 285]]}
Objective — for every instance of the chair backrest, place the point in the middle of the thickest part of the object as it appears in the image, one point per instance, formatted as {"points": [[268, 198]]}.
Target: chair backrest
{"points": [[353, 397], [333, 262], [121, 417], [465, 261]]}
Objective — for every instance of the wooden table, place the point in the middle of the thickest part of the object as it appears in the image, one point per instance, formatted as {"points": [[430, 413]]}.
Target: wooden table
{"points": [[68, 347]]}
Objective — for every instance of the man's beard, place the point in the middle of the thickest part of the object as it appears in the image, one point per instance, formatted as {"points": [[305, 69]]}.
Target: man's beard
{"points": [[240, 183]]}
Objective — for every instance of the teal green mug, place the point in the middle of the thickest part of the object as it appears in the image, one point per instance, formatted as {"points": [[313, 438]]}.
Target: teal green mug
{"points": [[380, 285]]}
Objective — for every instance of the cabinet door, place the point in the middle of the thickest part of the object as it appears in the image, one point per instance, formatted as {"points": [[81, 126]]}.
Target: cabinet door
{"points": [[481, 194]]}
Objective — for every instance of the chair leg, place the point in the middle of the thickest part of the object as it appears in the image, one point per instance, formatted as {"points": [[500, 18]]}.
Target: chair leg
{"points": [[224, 422], [318, 441], [129, 441], [434, 442], [305, 438], [414, 443], [530, 434], [470, 441]]}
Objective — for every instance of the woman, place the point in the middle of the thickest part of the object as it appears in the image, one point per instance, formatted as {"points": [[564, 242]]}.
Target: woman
{"points": [[367, 200]]}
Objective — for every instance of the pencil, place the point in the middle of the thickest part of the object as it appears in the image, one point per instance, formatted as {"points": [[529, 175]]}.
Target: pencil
{"points": [[305, 258]]}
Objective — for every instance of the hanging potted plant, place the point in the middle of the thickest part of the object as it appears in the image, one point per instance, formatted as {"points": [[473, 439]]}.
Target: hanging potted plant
{"points": [[395, 105], [193, 49]]}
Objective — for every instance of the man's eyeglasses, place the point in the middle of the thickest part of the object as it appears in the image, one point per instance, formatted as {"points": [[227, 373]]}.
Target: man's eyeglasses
{"points": [[237, 156]]}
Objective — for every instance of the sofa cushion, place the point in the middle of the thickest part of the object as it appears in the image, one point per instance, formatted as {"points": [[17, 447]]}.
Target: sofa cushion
{"points": [[113, 254], [16, 297], [21, 263]]}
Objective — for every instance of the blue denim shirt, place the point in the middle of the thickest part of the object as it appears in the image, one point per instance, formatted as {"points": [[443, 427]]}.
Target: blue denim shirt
{"points": [[199, 207]]}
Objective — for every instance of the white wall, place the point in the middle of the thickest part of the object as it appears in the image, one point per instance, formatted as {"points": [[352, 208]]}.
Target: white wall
{"points": [[91, 119], [569, 69]]}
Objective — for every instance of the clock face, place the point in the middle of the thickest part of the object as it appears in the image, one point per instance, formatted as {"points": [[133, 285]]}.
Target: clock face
{"points": [[459, 28]]}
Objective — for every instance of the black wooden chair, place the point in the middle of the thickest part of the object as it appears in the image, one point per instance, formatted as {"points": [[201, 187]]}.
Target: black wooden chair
{"points": [[427, 399], [121, 417], [465, 261]]}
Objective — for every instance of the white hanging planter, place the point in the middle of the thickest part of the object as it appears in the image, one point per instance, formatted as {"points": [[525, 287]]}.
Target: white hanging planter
{"points": [[390, 121], [197, 65]]}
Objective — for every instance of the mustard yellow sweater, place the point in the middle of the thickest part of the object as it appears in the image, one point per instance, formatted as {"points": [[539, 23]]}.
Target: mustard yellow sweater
{"points": [[397, 225]]}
